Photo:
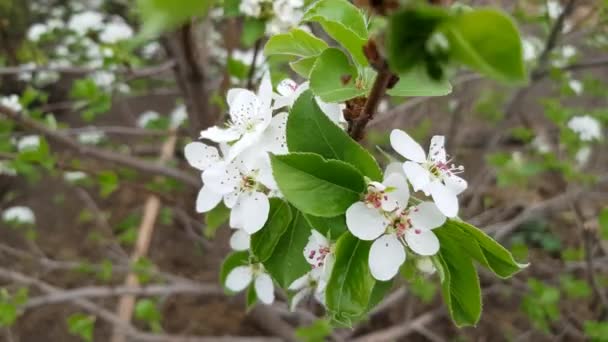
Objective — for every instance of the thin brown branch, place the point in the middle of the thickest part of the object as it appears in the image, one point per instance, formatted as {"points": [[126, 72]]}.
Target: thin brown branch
{"points": [[100, 154], [81, 71], [401, 330], [553, 37], [256, 52]]}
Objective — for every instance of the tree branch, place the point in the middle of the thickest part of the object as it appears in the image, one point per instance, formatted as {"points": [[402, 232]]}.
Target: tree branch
{"points": [[101, 154]]}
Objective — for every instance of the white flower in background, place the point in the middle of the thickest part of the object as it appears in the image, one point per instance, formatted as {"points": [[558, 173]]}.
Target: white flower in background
{"points": [[178, 116], [26, 75], [28, 142], [289, 91], [146, 117], [252, 8], [103, 79], [554, 9], [74, 176], [83, 22], [587, 127], [36, 31], [11, 102], [7, 170], [319, 254], [568, 51], [531, 47], [250, 115], [383, 215], [576, 86], [91, 137], [151, 49], [244, 186], [240, 240], [434, 174], [241, 276], [287, 14], [19, 214], [115, 31], [541, 144]]}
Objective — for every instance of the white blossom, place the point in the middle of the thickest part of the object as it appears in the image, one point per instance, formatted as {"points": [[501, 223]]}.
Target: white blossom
{"points": [[103, 79], [383, 215], [582, 156], [241, 276], [425, 265], [434, 174], [83, 22], [28, 142], [92, 137], [12, 102], [74, 176], [240, 240], [576, 86], [115, 31], [554, 9], [36, 31], [6, 169], [587, 127], [19, 214], [178, 116], [146, 117]]}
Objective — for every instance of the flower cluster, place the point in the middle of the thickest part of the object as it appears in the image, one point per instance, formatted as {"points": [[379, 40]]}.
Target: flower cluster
{"points": [[386, 216], [280, 14]]}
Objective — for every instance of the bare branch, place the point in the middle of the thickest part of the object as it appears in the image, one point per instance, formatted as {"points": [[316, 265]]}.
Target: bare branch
{"points": [[81, 71], [400, 330]]}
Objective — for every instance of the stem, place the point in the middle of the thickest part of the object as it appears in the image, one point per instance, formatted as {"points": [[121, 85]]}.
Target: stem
{"points": [[380, 84], [256, 51]]}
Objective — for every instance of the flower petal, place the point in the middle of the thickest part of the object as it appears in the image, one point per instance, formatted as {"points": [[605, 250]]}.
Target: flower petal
{"points": [[240, 240], [232, 94], [365, 223], [222, 178], [274, 138], [299, 283], [406, 146], [264, 288], [207, 199], [265, 93], [418, 176], [392, 168], [455, 183], [385, 257], [399, 192], [231, 198], [426, 216], [316, 242], [239, 278], [444, 198], [287, 87], [437, 149], [201, 156], [244, 108], [219, 135], [252, 211], [247, 140], [422, 242]]}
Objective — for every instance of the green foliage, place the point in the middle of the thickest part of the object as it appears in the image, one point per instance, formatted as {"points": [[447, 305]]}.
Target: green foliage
{"points": [[82, 326], [264, 241], [310, 130], [334, 79], [163, 15], [9, 305], [147, 310], [350, 285], [473, 35], [318, 331], [343, 22], [297, 43], [541, 304], [253, 29], [334, 226], [596, 331], [315, 185], [96, 100], [603, 223], [215, 219], [573, 287], [416, 82], [108, 183], [287, 262]]}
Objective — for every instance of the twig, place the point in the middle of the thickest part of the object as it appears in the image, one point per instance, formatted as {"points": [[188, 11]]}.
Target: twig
{"points": [[375, 95], [251, 75], [101, 154], [80, 70], [106, 291], [267, 319], [144, 237], [400, 330]]}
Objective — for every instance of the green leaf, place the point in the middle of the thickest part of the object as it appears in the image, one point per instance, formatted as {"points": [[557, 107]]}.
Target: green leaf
{"points": [[318, 331], [417, 82], [82, 326], [287, 262], [480, 247], [603, 222], [344, 22], [310, 130], [147, 310], [381, 288], [215, 218], [303, 66], [336, 226], [460, 287], [164, 15], [407, 34], [232, 261], [334, 79], [108, 182], [296, 42], [317, 186], [351, 284], [487, 41], [253, 29], [264, 241], [251, 297]]}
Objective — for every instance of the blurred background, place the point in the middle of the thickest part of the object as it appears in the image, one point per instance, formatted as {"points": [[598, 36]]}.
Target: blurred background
{"points": [[95, 194]]}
